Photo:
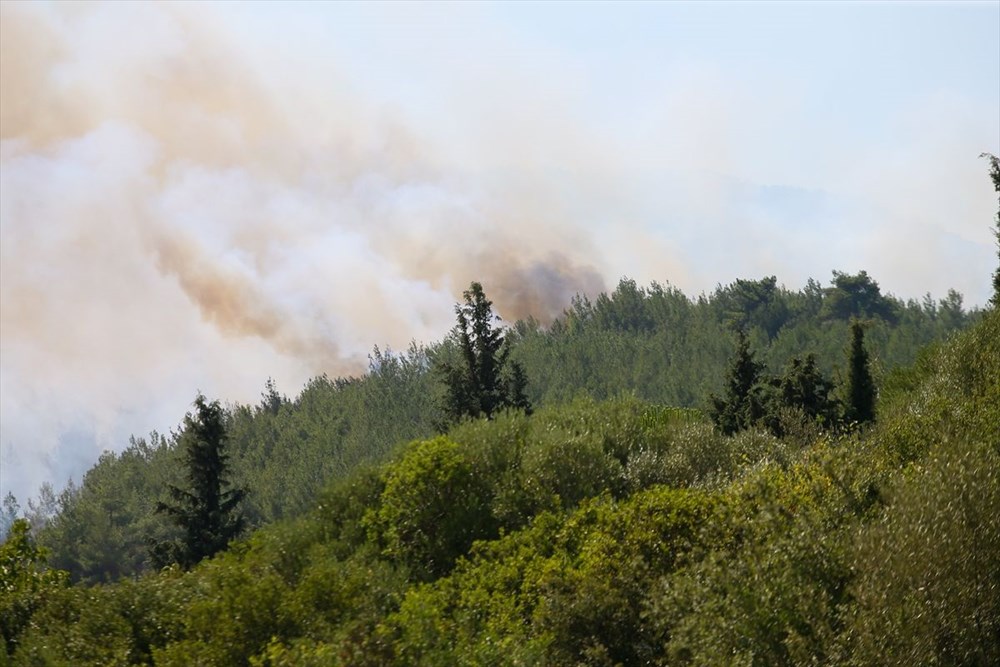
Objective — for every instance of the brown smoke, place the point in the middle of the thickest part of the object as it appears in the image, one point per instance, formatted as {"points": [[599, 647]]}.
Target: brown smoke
{"points": [[540, 289], [233, 303], [30, 49], [188, 206], [206, 111]]}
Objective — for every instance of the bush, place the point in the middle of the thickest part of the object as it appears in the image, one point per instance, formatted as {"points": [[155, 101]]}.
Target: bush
{"points": [[557, 592], [432, 509], [928, 585], [767, 588]]}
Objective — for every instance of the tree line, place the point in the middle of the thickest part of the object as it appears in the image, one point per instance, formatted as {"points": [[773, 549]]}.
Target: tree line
{"points": [[482, 383], [593, 533], [655, 343], [799, 397], [540, 530]]}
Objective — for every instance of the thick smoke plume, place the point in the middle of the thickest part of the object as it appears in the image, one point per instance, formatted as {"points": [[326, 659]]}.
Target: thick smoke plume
{"points": [[175, 220], [191, 202]]}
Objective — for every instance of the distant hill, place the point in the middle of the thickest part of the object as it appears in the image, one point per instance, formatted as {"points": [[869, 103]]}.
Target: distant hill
{"points": [[653, 343]]}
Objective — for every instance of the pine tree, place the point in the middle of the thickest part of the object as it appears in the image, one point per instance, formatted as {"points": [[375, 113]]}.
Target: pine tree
{"points": [[860, 403], [487, 380], [741, 406], [207, 513], [803, 386], [857, 296], [270, 400]]}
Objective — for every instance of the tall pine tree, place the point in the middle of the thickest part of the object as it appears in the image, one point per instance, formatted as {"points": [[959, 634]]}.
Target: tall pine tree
{"points": [[860, 400], [485, 380], [206, 512]]}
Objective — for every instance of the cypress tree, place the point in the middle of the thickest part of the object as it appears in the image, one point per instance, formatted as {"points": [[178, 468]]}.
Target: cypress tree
{"points": [[741, 406], [206, 512], [802, 393], [860, 404], [803, 386], [487, 380]]}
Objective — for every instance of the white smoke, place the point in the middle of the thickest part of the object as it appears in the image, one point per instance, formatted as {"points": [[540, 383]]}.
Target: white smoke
{"points": [[184, 208]]}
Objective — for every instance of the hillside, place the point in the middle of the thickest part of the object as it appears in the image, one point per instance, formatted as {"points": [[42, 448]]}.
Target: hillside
{"points": [[653, 343], [598, 533]]}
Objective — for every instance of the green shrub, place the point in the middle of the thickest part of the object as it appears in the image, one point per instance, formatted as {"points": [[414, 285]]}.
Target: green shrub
{"points": [[26, 583], [432, 509], [557, 592], [928, 584]]}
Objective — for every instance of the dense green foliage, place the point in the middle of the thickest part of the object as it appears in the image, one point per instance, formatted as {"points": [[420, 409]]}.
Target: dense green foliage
{"points": [[668, 348], [602, 533], [797, 399], [25, 584], [207, 512], [856, 297], [804, 388], [281, 451], [653, 343]]}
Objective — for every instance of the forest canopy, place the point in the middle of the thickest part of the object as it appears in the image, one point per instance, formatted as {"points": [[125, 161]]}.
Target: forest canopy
{"points": [[654, 342], [615, 524]]}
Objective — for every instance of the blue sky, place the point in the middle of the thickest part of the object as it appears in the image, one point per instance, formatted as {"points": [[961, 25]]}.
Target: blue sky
{"points": [[200, 196]]}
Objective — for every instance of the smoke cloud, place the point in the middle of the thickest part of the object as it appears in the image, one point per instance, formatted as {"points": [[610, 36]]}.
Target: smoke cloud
{"points": [[188, 208], [173, 221]]}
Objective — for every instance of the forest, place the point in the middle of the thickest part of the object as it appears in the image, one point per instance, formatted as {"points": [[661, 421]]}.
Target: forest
{"points": [[499, 334], [630, 496], [654, 344]]}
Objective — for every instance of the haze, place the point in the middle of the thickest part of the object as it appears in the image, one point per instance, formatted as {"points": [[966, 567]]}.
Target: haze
{"points": [[200, 196]]}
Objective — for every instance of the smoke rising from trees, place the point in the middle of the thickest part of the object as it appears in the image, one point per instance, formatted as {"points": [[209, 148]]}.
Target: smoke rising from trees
{"points": [[184, 209], [171, 219]]}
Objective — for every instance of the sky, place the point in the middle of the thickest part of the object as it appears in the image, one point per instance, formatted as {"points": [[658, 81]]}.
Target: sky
{"points": [[197, 197]]}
